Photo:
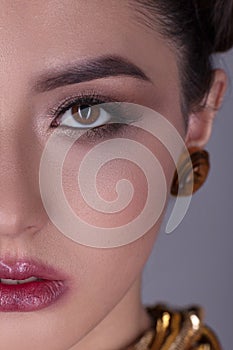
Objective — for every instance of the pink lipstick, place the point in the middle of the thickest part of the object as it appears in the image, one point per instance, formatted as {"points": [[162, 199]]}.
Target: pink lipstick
{"points": [[26, 285]]}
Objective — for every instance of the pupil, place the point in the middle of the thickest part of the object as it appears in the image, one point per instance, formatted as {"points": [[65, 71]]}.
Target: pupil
{"points": [[85, 111]]}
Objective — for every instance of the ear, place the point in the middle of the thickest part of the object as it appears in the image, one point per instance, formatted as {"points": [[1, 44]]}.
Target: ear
{"points": [[200, 123]]}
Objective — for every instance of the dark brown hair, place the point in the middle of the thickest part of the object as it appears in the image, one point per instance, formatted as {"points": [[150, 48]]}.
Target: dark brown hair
{"points": [[197, 29]]}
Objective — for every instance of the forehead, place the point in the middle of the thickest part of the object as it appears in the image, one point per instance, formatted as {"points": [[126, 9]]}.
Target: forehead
{"points": [[52, 25], [51, 31]]}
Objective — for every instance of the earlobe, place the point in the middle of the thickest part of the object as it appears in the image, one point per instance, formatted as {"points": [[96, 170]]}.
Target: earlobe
{"points": [[200, 123]]}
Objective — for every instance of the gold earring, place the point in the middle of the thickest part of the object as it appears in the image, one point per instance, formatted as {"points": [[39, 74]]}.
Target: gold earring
{"points": [[200, 168]]}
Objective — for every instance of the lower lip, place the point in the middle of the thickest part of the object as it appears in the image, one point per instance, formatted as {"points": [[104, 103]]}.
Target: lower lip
{"points": [[30, 296]]}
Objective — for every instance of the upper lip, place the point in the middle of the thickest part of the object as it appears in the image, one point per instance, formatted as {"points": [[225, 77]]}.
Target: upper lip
{"points": [[24, 268]]}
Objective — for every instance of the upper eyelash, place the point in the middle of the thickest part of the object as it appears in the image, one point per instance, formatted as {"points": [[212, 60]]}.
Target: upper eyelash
{"points": [[89, 98]]}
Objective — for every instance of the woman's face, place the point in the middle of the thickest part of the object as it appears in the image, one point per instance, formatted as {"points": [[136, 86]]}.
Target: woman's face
{"points": [[38, 39]]}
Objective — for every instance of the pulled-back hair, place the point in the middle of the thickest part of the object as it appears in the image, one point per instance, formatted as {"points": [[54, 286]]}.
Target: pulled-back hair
{"points": [[196, 29]]}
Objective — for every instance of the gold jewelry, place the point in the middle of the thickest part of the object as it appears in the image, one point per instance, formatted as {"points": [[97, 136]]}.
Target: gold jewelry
{"points": [[177, 329], [200, 169]]}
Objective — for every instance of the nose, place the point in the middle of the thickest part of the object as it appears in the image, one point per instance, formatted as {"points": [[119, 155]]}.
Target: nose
{"points": [[21, 208]]}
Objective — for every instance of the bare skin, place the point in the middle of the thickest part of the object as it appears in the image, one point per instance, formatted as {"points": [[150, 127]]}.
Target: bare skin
{"points": [[103, 308]]}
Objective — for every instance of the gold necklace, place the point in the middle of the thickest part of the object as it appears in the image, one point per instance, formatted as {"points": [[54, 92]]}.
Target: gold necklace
{"points": [[176, 329]]}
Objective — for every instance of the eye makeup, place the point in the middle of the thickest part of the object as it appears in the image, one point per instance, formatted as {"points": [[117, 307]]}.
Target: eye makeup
{"points": [[121, 114]]}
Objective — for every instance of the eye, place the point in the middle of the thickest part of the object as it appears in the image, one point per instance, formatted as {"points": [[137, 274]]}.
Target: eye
{"points": [[99, 115], [84, 116]]}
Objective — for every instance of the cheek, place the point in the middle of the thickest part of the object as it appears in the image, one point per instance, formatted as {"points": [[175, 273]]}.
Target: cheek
{"points": [[117, 189]]}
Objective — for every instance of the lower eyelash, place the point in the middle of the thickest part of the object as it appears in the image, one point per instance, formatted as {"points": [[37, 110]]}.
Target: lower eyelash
{"points": [[102, 131]]}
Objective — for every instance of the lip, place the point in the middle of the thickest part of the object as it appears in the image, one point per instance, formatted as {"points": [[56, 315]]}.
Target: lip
{"points": [[29, 296]]}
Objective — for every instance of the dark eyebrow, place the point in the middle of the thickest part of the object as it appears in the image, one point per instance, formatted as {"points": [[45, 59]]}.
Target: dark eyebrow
{"points": [[87, 70]]}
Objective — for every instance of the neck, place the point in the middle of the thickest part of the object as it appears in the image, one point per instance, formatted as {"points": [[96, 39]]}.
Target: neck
{"points": [[126, 321]]}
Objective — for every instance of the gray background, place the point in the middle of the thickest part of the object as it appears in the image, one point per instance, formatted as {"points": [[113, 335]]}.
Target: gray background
{"points": [[194, 263]]}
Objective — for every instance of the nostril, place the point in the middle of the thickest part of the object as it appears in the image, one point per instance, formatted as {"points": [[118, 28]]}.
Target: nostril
{"points": [[16, 222]]}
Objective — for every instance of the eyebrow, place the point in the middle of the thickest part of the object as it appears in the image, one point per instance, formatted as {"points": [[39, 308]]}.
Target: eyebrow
{"points": [[87, 70]]}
